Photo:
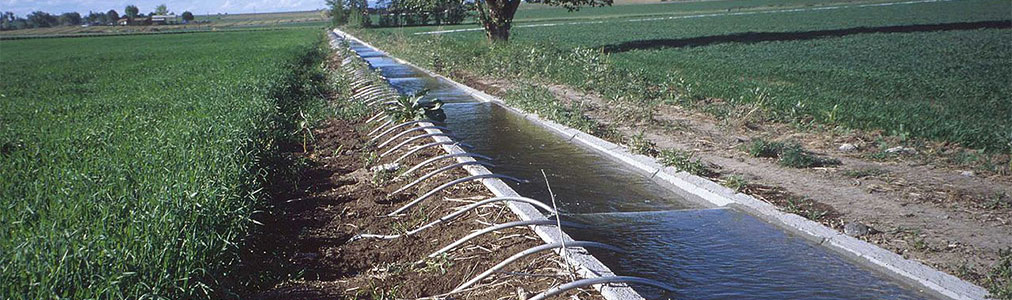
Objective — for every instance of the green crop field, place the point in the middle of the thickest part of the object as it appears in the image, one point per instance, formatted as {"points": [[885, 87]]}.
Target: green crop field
{"points": [[540, 13], [935, 70], [130, 166]]}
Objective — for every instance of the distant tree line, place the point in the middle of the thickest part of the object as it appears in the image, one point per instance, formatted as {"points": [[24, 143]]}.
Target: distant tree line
{"points": [[421, 12], [397, 12], [41, 19]]}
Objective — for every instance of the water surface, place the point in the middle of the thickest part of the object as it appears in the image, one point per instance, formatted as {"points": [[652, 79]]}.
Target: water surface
{"points": [[705, 253]]}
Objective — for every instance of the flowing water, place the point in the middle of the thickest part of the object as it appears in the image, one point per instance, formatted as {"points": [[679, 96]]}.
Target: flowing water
{"points": [[705, 253]]}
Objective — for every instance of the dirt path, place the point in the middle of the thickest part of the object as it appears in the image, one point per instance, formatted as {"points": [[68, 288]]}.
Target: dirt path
{"points": [[922, 209]]}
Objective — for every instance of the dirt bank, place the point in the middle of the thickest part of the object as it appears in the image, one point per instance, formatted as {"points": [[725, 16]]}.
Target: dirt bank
{"points": [[306, 233]]}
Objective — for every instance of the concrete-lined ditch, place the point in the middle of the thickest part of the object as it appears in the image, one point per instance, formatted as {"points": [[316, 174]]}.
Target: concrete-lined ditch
{"points": [[687, 231]]}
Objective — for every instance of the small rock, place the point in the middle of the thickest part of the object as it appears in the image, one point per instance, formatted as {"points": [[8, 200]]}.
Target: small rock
{"points": [[391, 167], [901, 149], [966, 173], [856, 229], [305, 258], [847, 147]]}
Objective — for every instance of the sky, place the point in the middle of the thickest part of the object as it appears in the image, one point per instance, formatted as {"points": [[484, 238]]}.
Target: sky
{"points": [[197, 7]]}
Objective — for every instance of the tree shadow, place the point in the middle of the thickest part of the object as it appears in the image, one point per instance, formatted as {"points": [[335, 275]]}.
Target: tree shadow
{"points": [[756, 37]]}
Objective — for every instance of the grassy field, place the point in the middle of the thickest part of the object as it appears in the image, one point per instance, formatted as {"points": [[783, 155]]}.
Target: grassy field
{"points": [[130, 166], [216, 22], [540, 13], [930, 70]]}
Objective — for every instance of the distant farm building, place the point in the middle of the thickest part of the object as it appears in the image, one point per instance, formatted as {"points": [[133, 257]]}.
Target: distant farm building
{"points": [[164, 19], [152, 20]]}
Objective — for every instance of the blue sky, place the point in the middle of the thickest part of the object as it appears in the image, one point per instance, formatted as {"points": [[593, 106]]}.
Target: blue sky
{"points": [[199, 7]]}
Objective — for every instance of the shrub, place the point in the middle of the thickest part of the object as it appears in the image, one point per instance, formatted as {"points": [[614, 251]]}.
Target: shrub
{"points": [[684, 160], [789, 154]]}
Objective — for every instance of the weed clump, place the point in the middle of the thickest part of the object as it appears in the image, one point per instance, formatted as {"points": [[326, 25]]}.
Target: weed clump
{"points": [[639, 144], [865, 172], [764, 148], [805, 208], [999, 280], [789, 154], [737, 183], [684, 160]]}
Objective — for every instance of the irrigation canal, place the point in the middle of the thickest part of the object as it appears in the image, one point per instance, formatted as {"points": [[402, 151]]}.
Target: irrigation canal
{"points": [[707, 253]]}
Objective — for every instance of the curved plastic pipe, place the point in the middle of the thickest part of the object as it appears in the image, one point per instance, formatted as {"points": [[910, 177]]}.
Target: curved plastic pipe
{"points": [[360, 82], [449, 184], [379, 98], [378, 91], [402, 133], [459, 212], [437, 171], [497, 227], [354, 70], [365, 83], [545, 222], [471, 206], [530, 251], [422, 147], [388, 121], [368, 99], [375, 117], [591, 281], [415, 138], [368, 89], [391, 129], [368, 96], [383, 102], [441, 157]]}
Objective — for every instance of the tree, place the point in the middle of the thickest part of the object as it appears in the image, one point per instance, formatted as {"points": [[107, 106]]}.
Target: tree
{"points": [[7, 20], [95, 18], [71, 18], [358, 13], [38, 19], [338, 12], [496, 16], [161, 10], [112, 15], [132, 11], [187, 16]]}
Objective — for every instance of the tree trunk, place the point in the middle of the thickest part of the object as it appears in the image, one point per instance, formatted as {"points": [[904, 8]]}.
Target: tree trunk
{"points": [[497, 33], [497, 18]]}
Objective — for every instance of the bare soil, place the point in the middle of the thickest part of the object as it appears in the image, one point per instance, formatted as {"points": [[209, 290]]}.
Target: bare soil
{"points": [[306, 233], [919, 205]]}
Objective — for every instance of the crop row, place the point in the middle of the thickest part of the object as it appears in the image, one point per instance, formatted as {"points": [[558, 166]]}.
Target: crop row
{"points": [[130, 166]]}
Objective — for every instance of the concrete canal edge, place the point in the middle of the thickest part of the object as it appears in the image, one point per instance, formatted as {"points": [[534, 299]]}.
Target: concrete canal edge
{"points": [[584, 264], [711, 194]]}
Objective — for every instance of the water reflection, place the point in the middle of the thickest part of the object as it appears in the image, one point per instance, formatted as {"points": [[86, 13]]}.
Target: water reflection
{"points": [[706, 253], [726, 254]]}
